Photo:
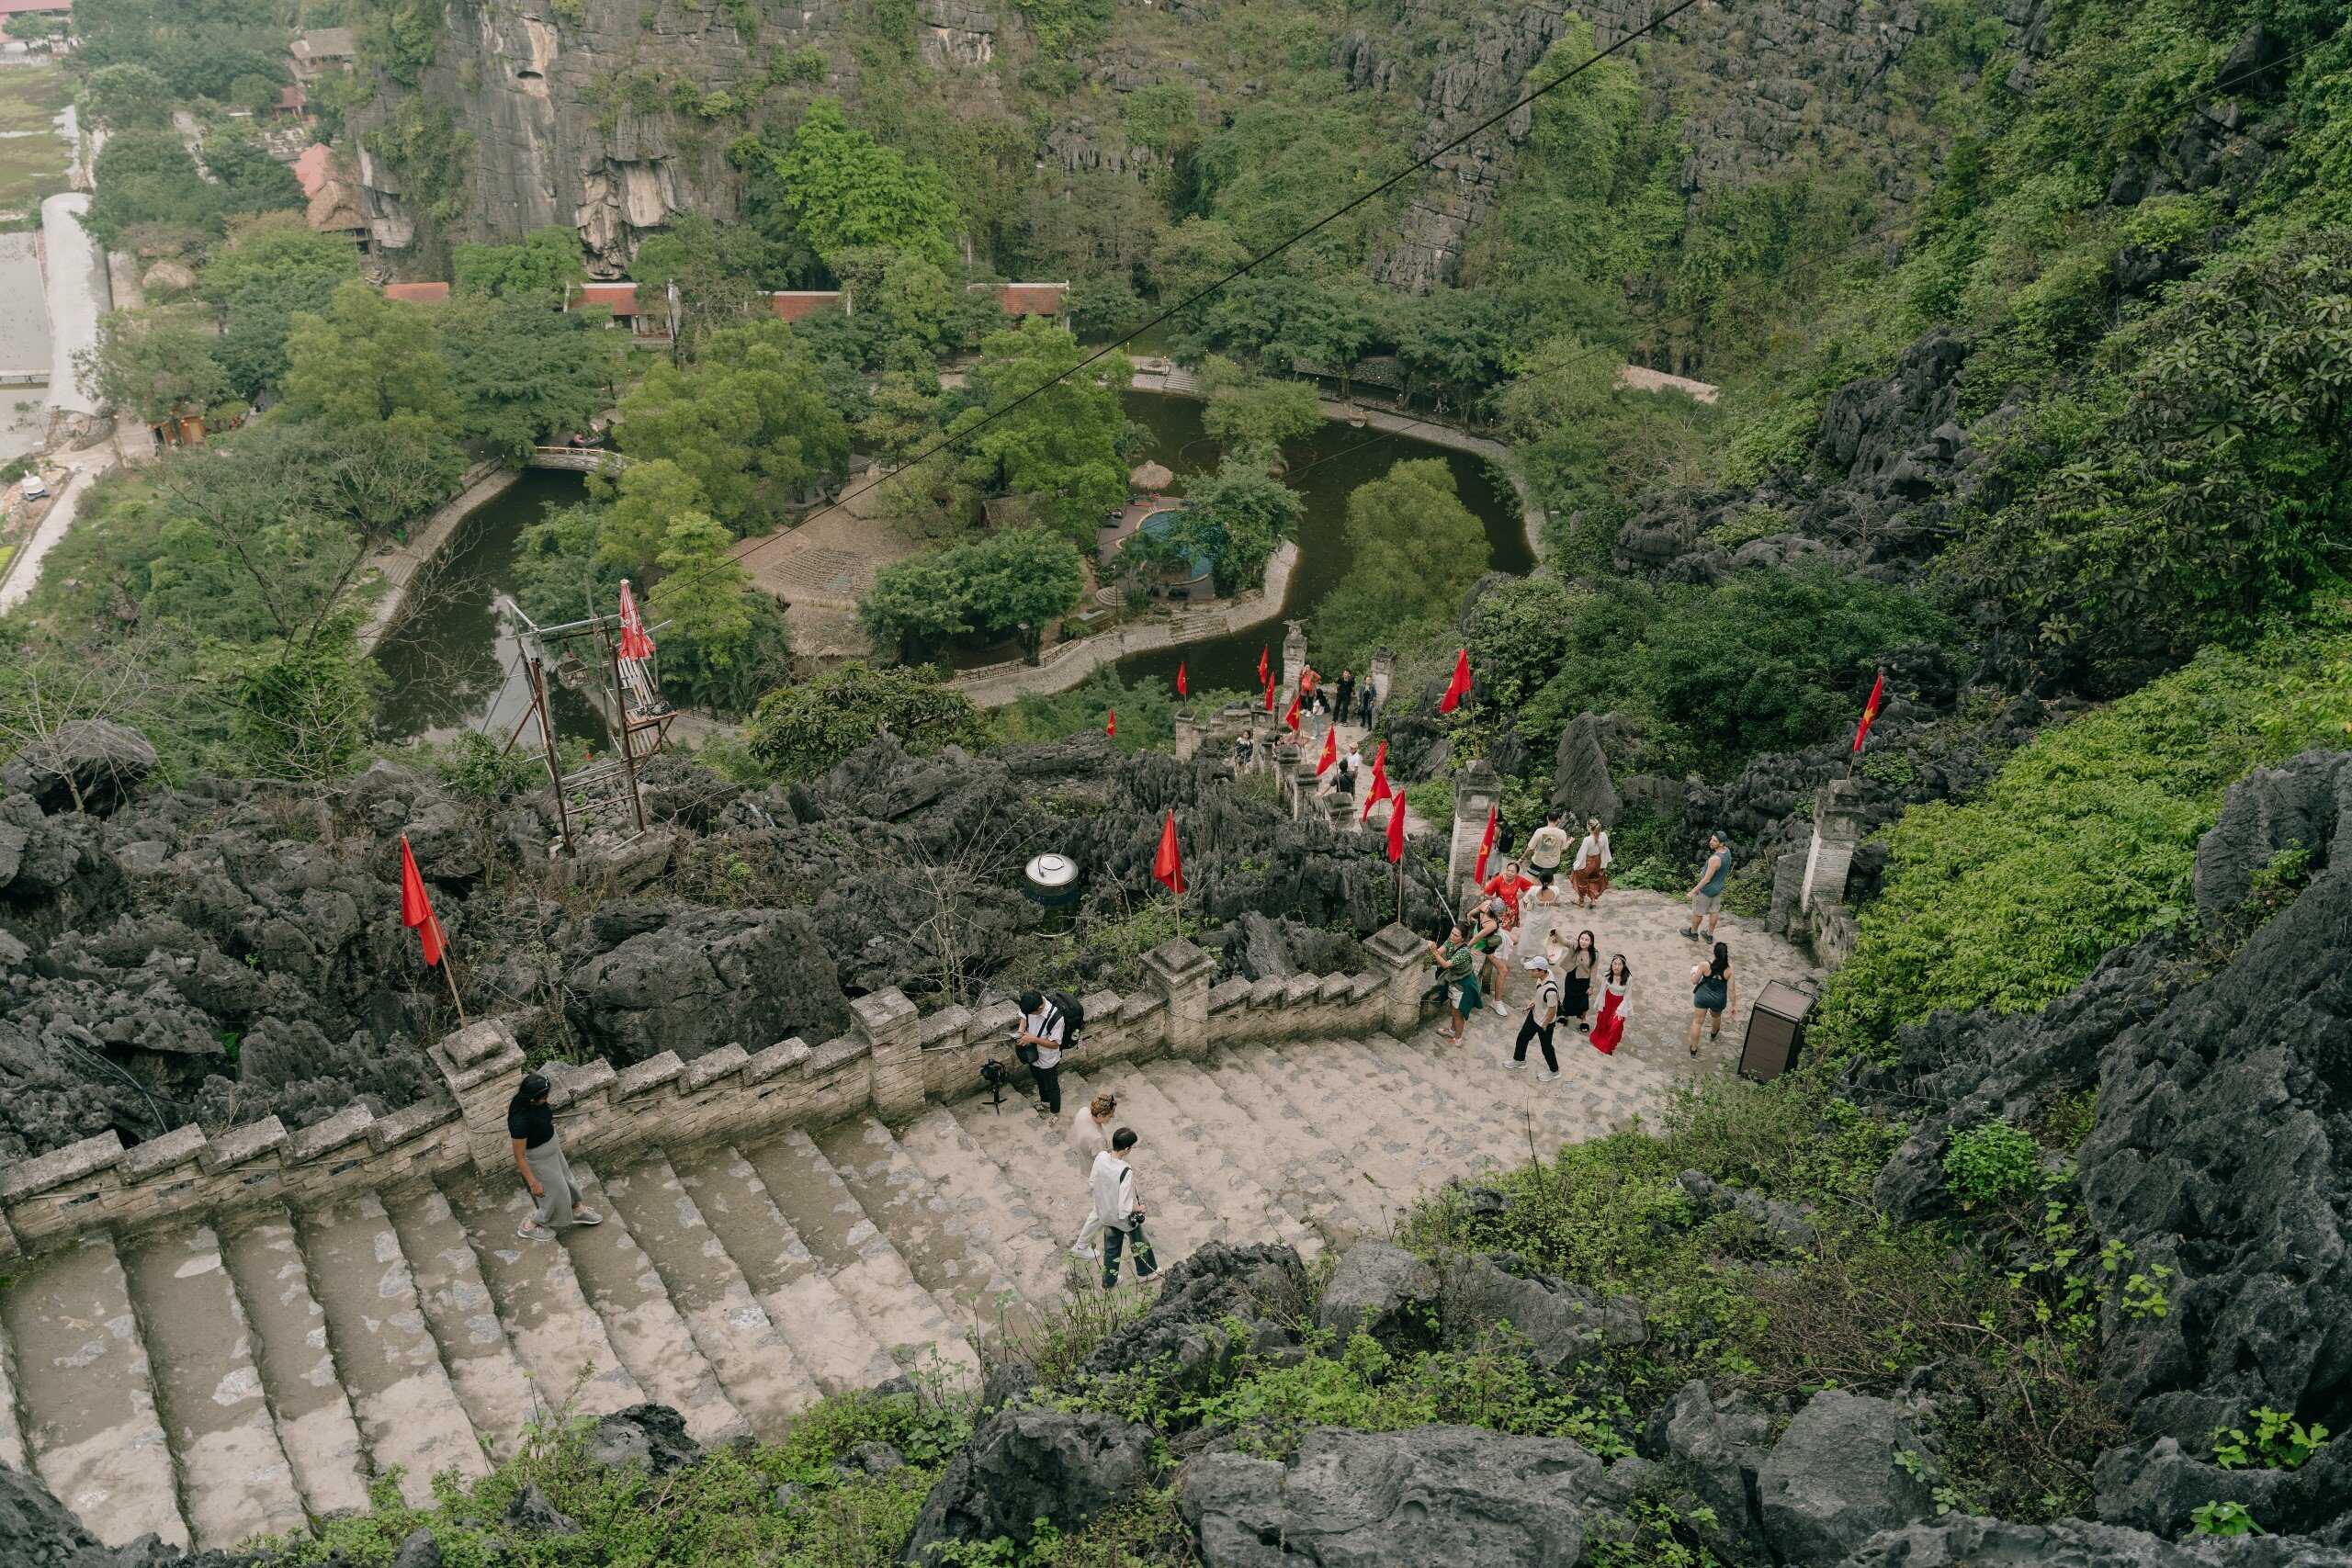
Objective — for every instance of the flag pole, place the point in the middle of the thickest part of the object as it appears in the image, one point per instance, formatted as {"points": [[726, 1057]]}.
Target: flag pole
{"points": [[449, 973]]}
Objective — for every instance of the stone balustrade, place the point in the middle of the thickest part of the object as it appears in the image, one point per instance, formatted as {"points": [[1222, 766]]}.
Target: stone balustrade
{"points": [[890, 1065]]}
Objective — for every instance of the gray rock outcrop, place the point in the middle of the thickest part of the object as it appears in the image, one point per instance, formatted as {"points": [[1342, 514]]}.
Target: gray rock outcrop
{"points": [[1961, 1541], [1836, 1478], [1380, 1289], [1022, 1466], [1189, 1332], [1562, 1324], [1715, 1451], [85, 764], [1459, 1495], [651, 1436]]}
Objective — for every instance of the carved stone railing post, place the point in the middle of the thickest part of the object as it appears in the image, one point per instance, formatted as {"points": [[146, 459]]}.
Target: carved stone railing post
{"points": [[1479, 790], [1382, 675], [1188, 730], [885, 1021], [1402, 961], [1294, 659], [481, 1065], [1180, 973], [1837, 829]]}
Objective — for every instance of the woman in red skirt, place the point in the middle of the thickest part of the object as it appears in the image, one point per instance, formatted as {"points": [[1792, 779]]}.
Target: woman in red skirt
{"points": [[1609, 1027]]}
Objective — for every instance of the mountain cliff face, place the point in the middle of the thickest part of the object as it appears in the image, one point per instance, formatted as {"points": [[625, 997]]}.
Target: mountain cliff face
{"points": [[612, 116]]}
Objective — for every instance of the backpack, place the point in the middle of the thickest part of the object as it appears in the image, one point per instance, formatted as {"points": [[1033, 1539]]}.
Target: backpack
{"points": [[1071, 1012]]}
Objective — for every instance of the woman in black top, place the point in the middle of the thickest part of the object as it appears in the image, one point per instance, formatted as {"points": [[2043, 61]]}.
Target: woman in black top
{"points": [[539, 1155]]}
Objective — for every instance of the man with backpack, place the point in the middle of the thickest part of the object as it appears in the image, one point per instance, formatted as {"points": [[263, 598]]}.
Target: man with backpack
{"points": [[1543, 1014], [1048, 1025], [1119, 1207]]}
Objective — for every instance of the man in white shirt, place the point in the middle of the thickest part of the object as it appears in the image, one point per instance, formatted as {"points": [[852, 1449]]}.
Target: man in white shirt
{"points": [[1089, 1132], [1120, 1208], [1040, 1031], [1547, 847]]}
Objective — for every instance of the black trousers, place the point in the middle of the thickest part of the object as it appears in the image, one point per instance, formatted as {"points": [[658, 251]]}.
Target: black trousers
{"points": [[1541, 1033], [1114, 1239], [1049, 1086]]}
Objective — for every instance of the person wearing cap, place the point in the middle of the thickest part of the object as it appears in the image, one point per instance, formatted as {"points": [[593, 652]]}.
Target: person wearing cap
{"points": [[1542, 1013], [1707, 893], [539, 1155]]}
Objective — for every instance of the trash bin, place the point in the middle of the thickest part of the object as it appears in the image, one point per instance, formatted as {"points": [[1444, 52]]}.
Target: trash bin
{"points": [[1775, 1032]]}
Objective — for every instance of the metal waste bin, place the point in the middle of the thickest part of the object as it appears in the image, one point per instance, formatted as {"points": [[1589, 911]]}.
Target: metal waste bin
{"points": [[1775, 1032], [1051, 882]]}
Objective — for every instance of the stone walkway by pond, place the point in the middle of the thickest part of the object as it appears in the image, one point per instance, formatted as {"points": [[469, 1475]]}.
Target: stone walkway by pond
{"points": [[212, 1382]]}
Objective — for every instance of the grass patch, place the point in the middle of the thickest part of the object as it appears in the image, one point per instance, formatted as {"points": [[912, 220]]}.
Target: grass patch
{"points": [[31, 167]]}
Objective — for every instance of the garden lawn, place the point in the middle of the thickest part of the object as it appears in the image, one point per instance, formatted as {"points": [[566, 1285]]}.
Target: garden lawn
{"points": [[32, 159]]}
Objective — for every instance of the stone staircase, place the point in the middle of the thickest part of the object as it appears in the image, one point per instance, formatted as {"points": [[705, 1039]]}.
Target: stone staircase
{"points": [[212, 1381]]}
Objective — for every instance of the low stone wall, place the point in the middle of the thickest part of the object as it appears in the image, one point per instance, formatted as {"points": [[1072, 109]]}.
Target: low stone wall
{"points": [[1066, 664], [892, 1064]]}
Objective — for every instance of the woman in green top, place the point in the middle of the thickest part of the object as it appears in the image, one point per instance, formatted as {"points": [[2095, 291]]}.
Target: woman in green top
{"points": [[1458, 958]]}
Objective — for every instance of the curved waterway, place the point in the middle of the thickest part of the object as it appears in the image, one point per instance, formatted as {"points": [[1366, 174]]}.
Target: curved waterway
{"points": [[1325, 467], [447, 665]]}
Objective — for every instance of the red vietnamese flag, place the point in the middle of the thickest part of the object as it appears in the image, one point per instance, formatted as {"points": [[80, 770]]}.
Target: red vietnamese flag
{"points": [[1291, 719], [416, 909], [635, 641], [1459, 687], [1264, 678], [1181, 690], [1870, 710], [1379, 790], [1168, 864], [1270, 697], [1397, 829], [1330, 750], [1111, 725], [1486, 846]]}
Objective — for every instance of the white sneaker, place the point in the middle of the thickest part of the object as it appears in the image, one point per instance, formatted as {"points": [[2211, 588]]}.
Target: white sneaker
{"points": [[1552, 1078], [1501, 1011]]}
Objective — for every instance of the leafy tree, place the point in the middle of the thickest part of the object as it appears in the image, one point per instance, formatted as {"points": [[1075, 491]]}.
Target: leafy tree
{"points": [[1237, 518], [1015, 584], [845, 189], [1196, 252], [558, 566], [153, 363], [1457, 343], [367, 359], [305, 710], [802, 730], [649, 498], [251, 179], [541, 267], [717, 269], [272, 269], [402, 37], [1061, 446], [1252, 414], [32, 27], [702, 592], [127, 97], [524, 373], [749, 419], [146, 176], [934, 499], [1414, 551]]}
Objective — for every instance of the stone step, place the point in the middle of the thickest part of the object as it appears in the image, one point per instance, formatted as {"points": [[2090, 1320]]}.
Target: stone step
{"points": [[88, 1400], [860, 1259], [1450, 1132], [408, 1413], [499, 1397], [994, 1203], [829, 1334], [557, 1336], [755, 1365], [1246, 1212], [1510, 1117], [644, 1324], [315, 1426], [1291, 1176], [943, 1250], [1355, 1200], [1341, 1115], [234, 1478], [1178, 1222]]}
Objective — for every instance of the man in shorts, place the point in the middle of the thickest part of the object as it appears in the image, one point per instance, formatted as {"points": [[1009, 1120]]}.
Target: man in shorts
{"points": [[1547, 847], [1707, 893]]}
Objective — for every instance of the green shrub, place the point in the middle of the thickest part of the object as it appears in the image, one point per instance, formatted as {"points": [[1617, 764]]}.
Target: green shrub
{"points": [[2279, 1442], [2082, 844], [1991, 1163]]}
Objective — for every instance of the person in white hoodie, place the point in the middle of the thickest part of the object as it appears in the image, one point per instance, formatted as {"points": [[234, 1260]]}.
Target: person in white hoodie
{"points": [[1089, 1132], [1119, 1207]]}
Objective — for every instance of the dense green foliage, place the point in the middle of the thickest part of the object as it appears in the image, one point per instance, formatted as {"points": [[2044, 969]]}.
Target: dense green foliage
{"points": [[1063, 445], [846, 191], [2082, 844], [541, 267], [748, 417], [200, 48], [1235, 519], [148, 186], [803, 729], [270, 270], [1414, 550], [1009, 586]]}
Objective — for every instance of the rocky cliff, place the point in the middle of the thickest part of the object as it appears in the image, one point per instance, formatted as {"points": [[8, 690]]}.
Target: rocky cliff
{"points": [[222, 952]]}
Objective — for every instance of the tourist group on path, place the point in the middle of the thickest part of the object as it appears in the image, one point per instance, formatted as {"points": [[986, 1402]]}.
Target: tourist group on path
{"points": [[1475, 955]]}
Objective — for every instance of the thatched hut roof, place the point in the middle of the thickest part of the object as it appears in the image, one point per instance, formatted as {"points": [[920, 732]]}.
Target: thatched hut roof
{"points": [[1150, 475]]}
